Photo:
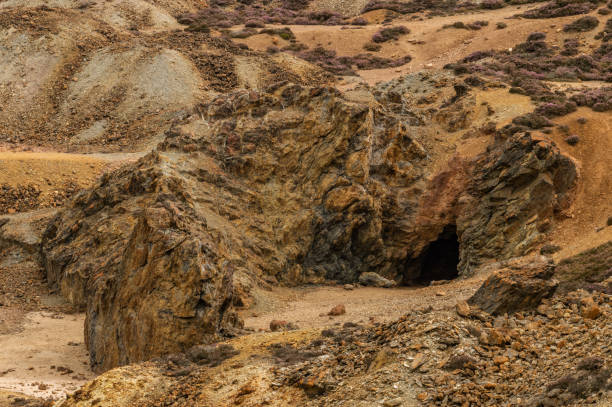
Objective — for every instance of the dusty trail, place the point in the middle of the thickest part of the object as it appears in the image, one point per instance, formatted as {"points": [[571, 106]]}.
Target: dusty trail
{"points": [[308, 307]]}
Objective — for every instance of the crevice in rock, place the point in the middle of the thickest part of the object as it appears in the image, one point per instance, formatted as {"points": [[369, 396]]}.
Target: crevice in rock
{"points": [[440, 258]]}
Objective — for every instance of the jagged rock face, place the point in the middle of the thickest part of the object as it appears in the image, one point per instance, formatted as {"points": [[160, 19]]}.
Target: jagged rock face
{"points": [[517, 190], [295, 185], [137, 256]]}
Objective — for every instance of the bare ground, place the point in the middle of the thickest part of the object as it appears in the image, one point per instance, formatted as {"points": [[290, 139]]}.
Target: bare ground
{"points": [[47, 358], [308, 307]]}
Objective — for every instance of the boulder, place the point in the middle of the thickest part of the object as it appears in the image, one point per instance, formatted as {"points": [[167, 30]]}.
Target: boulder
{"points": [[375, 280], [521, 285]]}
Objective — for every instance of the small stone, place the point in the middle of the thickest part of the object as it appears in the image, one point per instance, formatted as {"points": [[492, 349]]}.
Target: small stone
{"points": [[421, 396], [337, 310], [393, 402], [500, 360], [441, 293], [348, 287], [591, 312], [277, 325], [463, 309], [418, 361], [496, 338]]}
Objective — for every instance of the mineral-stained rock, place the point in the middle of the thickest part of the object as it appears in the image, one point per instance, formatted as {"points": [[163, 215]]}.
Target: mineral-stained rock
{"points": [[143, 266], [520, 286], [339, 309], [375, 280], [296, 185], [521, 185]]}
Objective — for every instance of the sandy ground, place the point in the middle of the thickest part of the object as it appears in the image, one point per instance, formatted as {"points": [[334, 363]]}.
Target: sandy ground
{"points": [[308, 307], [47, 358], [48, 169], [585, 226]]}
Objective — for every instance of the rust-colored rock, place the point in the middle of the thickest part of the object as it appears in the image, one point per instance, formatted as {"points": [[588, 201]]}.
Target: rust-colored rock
{"points": [[337, 310], [463, 309]]}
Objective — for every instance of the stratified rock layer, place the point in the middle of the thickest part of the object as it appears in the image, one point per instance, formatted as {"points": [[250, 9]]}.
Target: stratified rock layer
{"points": [[294, 185]]}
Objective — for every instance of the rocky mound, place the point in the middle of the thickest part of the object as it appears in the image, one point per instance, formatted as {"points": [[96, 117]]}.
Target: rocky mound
{"points": [[295, 185], [72, 80]]}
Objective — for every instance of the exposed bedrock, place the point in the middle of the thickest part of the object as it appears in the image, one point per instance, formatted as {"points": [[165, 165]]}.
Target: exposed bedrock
{"points": [[295, 185]]}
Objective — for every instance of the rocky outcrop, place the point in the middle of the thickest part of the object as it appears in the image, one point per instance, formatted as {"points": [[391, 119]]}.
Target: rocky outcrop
{"points": [[519, 286], [295, 185], [137, 256], [520, 187]]}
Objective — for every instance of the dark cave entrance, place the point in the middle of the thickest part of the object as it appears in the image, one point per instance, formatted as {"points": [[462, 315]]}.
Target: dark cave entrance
{"points": [[439, 260]]}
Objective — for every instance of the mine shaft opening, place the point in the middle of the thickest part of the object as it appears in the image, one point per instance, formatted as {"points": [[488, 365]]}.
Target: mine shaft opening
{"points": [[440, 258]]}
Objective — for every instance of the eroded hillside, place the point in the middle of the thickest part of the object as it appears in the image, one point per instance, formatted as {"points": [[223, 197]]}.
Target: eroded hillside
{"points": [[411, 199]]}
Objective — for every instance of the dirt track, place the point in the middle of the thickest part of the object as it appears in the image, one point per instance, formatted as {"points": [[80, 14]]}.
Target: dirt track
{"points": [[47, 358], [308, 307]]}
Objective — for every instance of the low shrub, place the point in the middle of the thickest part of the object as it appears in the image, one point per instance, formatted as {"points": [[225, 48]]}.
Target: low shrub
{"points": [[604, 11], [570, 47], [295, 4], [477, 56], [583, 24], [391, 33], [552, 109], [457, 24], [359, 21], [501, 25], [532, 120], [328, 60], [572, 140], [295, 47], [606, 34], [254, 24], [247, 32], [535, 48], [202, 28], [560, 8], [285, 33], [477, 25], [492, 4], [536, 36], [219, 17], [372, 47], [599, 100]]}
